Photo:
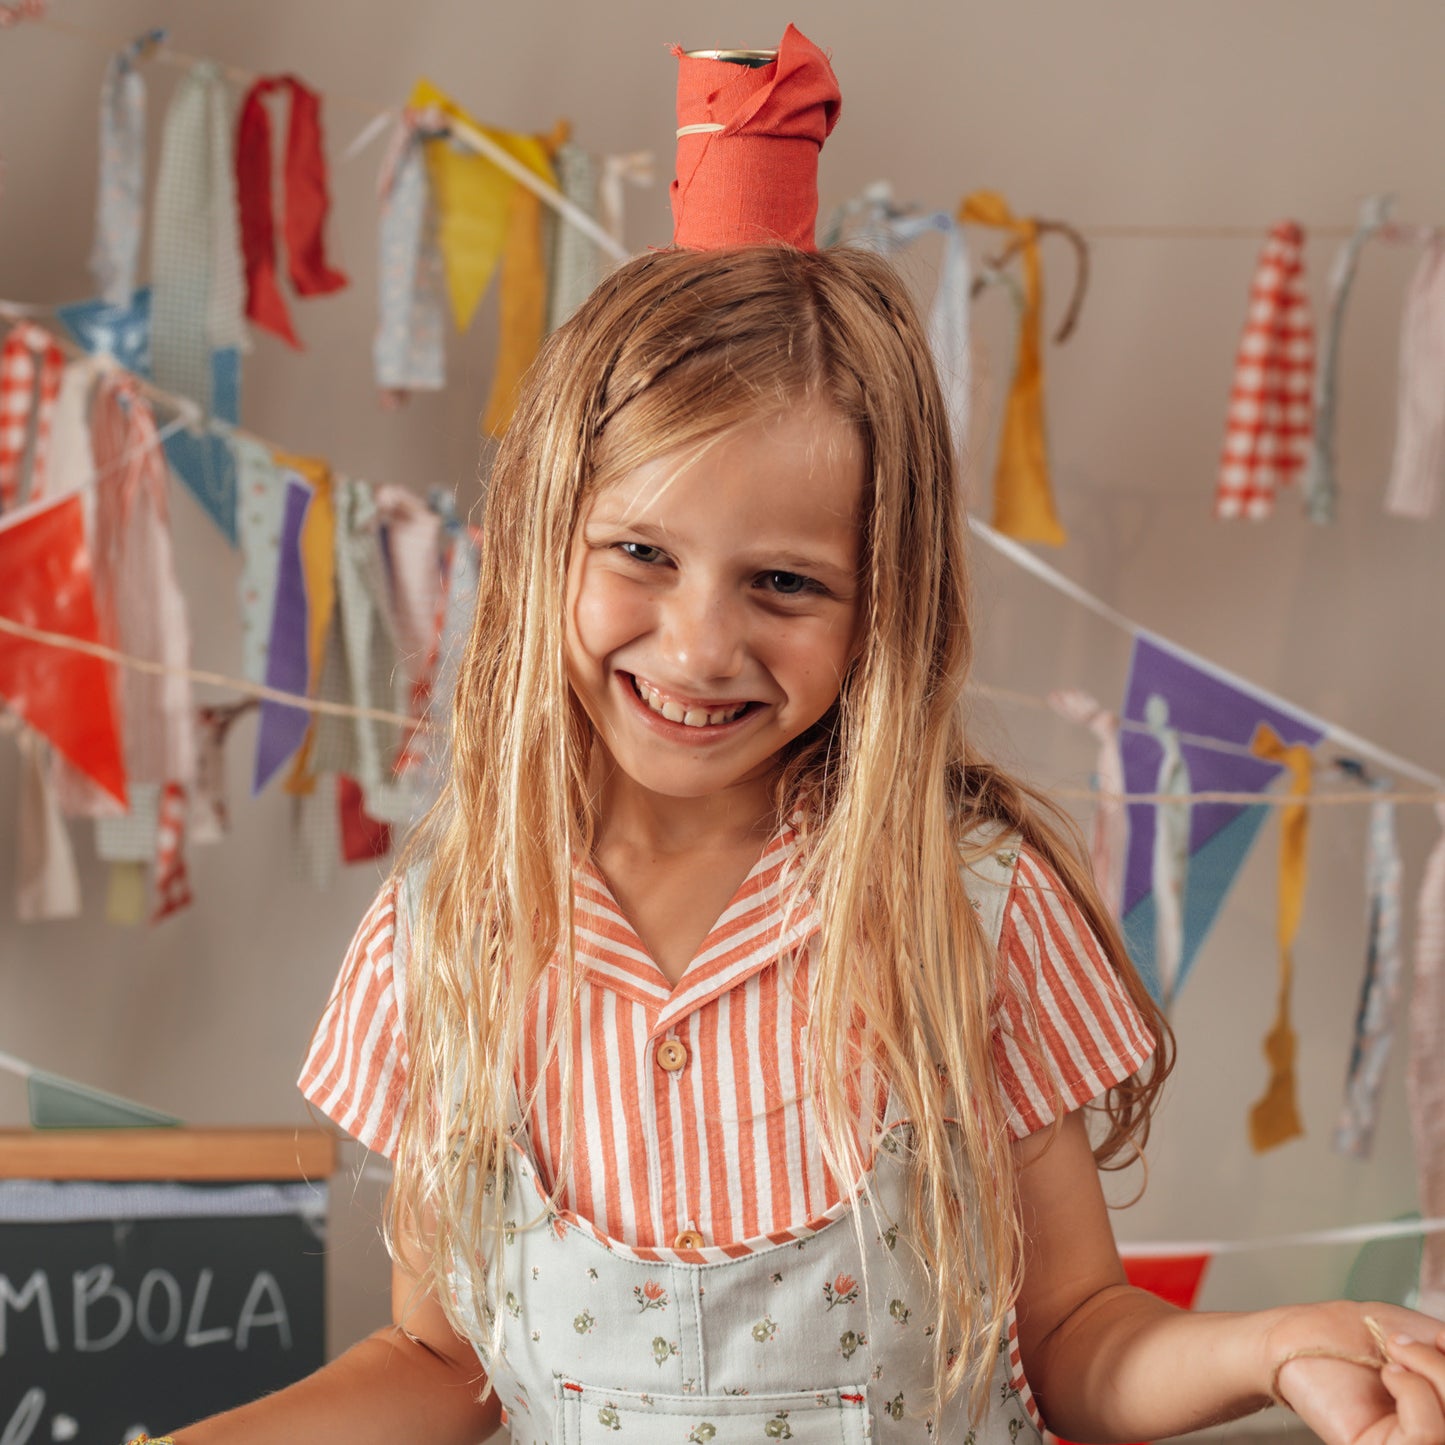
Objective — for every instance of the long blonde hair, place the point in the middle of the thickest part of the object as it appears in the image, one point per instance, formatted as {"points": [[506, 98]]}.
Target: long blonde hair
{"points": [[672, 349]]}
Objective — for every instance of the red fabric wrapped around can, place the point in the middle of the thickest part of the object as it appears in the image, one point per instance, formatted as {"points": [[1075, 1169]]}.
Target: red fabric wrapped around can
{"points": [[754, 179]]}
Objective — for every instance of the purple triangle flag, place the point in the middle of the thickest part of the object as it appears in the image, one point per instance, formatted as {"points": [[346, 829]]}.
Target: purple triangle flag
{"points": [[284, 727], [1203, 701]]}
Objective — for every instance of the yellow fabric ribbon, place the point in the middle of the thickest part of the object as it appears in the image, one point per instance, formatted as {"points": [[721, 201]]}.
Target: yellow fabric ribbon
{"points": [[318, 567], [1023, 501], [125, 895], [1274, 1119], [484, 218]]}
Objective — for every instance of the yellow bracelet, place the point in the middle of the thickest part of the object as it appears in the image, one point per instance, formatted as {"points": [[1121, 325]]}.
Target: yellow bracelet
{"points": [[151, 1440]]}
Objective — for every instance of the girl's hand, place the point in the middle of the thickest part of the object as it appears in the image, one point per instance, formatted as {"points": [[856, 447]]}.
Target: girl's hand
{"points": [[1345, 1403]]}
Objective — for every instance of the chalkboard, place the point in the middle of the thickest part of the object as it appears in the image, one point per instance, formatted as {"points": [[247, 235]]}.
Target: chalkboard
{"points": [[129, 1306]]}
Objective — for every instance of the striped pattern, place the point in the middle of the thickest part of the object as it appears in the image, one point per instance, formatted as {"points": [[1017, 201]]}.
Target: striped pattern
{"points": [[1270, 423], [727, 1145]]}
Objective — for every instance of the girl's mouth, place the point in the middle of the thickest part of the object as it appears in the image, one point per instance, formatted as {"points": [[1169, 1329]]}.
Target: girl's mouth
{"points": [[692, 715]]}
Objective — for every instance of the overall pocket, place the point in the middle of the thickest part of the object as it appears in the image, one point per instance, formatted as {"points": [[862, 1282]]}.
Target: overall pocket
{"points": [[591, 1415]]}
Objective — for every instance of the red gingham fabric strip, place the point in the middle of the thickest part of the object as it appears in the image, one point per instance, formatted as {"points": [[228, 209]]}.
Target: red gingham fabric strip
{"points": [[31, 363], [1267, 433]]}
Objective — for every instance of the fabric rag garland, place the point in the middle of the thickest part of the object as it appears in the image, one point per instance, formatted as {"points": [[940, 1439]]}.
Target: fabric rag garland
{"points": [[1170, 870], [47, 884], [1414, 488], [31, 366], [1426, 1079], [574, 265], [1269, 425], [307, 204], [196, 284], [748, 140], [1023, 501], [1275, 1118], [1109, 839], [409, 351], [487, 219], [120, 188], [1384, 969], [66, 696], [1321, 483]]}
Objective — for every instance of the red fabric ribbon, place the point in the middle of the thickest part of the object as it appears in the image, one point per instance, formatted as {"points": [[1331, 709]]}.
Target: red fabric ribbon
{"points": [[307, 203], [754, 181]]}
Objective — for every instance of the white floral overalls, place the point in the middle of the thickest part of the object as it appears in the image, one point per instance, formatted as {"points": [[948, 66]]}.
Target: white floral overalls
{"points": [[822, 1338]]}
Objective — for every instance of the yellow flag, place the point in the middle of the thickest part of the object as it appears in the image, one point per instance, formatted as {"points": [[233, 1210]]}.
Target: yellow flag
{"points": [[318, 568], [1023, 499], [473, 199]]}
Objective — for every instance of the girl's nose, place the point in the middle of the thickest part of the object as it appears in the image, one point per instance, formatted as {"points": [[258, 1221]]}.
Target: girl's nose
{"points": [[702, 634]]}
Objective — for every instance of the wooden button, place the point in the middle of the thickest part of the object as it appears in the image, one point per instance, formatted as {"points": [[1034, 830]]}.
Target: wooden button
{"points": [[672, 1054], [688, 1239]]}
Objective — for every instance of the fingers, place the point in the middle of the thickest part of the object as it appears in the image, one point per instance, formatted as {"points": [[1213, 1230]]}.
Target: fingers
{"points": [[1416, 1380]]}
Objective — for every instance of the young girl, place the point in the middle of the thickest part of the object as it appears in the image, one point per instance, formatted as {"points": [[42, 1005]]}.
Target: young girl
{"points": [[731, 1021]]}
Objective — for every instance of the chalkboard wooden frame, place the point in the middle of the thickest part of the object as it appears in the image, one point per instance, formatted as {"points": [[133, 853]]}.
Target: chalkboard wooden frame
{"points": [[152, 1276]]}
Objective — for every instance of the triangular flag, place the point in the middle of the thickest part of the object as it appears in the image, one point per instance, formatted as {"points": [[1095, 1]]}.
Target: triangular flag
{"points": [[62, 693], [1203, 702]]}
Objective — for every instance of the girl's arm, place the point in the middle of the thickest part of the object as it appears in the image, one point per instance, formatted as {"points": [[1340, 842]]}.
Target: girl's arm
{"points": [[1110, 1362], [413, 1381]]}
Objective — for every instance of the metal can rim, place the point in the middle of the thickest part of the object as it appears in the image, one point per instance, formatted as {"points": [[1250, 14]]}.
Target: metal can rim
{"points": [[736, 57]]}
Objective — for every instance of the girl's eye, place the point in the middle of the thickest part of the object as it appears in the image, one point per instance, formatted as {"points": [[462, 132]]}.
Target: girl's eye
{"points": [[640, 551], [789, 584]]}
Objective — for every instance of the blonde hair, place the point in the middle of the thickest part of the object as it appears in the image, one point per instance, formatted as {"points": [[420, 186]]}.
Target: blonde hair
{"points": [[671, 350]]}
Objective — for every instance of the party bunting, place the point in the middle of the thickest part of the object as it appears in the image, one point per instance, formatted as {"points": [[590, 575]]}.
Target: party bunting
{"points": [[1426, 1079], [307, 204], [1275, 1118], [1419, 462], [138, 597], [196, 285], [484, 216], [1269, 425], [204, 461], [1023, 501], [1169, 872], [31, 365], [318, 563], [1109, 839], [473, 199], [172, 881], [66, 696], [284, 727], [878, 225], [47, 884], [120, 190], [1321, 483], [1204, 702], [1384, 970], [409, 352]]}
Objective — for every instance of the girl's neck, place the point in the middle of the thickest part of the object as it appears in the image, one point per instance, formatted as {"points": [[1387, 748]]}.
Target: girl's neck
{"points": [[635, 818]]}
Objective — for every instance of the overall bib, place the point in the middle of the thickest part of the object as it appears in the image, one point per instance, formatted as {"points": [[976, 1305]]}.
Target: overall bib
{"points": [[825, 1336]]}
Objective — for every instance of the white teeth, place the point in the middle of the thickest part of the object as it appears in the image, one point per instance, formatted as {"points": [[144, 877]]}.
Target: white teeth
{"points": [[692, 717]]}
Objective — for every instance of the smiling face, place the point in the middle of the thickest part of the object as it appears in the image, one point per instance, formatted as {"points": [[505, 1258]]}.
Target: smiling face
{"points": [[713, 603]]}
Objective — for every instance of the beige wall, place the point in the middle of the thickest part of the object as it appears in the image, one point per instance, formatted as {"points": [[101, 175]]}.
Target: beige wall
{"points": [[1107, 112]]}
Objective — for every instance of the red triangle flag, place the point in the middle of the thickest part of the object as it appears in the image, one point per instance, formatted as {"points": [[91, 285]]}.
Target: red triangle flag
{"points": [[64, 695]]}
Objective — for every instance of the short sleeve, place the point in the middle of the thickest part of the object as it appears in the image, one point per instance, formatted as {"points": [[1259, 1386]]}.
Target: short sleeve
{"points": [[355, 1070], [1065, 1028]]}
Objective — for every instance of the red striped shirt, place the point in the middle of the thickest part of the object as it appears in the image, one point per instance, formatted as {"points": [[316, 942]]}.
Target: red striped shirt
{"points": [[725, 1145]]}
